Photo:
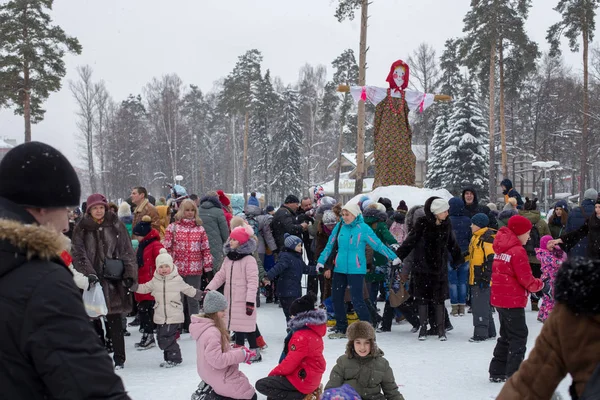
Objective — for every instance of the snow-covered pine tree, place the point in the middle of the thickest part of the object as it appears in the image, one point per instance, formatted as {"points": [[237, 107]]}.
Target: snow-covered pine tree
{"points": [[466, 159], [439, 141], [287, 147]]}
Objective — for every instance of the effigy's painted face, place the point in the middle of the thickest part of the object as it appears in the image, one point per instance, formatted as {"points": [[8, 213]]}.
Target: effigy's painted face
{"points": [[399, 73]]}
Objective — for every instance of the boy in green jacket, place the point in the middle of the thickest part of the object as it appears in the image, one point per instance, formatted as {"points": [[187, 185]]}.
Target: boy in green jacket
{"points": [[363, 366]]}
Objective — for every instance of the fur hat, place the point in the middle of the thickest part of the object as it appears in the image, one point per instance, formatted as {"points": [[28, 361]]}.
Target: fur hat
{"points": [[530, 205], [438, 206], [329, 218], [164, 258], [143, 227], [353, 209], [303, 304], [590, 194], [519, 225], [577, 285], [124, 210], [223, 198], [378, 207], [37, 175], [242, 234], [360, 330], [387, 203], [481, 220], [96, 200], [291, 241], [214, 302], [402, 206]]}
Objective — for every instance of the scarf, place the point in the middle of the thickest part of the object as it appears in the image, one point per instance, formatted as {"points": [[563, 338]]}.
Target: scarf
{"points": [[140, 208], [235, 256], [140, 251]]}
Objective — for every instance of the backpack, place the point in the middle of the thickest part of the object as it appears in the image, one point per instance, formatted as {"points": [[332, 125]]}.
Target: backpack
{"points": [[533, 242], [253, 223], [483, 273]]}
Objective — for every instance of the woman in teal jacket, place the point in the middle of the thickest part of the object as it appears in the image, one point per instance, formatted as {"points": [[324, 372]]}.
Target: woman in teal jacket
{"points": [[350, 265]]}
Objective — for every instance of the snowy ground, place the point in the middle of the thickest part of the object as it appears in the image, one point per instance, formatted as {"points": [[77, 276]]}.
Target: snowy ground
{"points": [[456, 369]]}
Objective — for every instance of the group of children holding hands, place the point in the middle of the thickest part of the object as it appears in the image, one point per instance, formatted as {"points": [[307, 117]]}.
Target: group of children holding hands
{"points": [[494, 256], [301, 365]]}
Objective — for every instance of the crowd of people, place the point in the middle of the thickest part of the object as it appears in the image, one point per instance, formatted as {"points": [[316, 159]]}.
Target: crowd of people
{"points": [[200, 265]]}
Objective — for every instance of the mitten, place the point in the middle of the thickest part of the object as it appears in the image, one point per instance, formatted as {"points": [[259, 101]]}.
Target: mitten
{"points": [[394, 247], [248, 354], [92, 279], [249, 308], [396, 261], [547, 289]]}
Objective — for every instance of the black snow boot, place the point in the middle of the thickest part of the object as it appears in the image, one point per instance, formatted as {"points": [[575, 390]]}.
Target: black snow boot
{"points": [[423, 311]]}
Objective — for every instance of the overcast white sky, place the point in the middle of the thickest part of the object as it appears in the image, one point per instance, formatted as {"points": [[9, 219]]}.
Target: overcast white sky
{"points": [[127, 42]]}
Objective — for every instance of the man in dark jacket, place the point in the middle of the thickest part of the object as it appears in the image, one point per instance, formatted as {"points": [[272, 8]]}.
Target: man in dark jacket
{"points": [[285, 221], [472, 207], [48, 347], [577, 218]]}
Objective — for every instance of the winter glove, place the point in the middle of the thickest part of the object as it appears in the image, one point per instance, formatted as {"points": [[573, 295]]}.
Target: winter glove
{"points": [[248, 354], [92, 279], [320, 268], [209, 275], [249, 308], [394, 247], [128, 282], [397, 261]]}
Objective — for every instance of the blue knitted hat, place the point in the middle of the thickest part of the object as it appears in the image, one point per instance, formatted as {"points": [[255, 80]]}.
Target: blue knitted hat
{"points": [[291, 241]]}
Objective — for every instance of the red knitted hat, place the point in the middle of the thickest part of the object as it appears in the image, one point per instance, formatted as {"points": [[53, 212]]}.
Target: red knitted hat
{"points": [[223, 198], [242, 233], [519, 225]]}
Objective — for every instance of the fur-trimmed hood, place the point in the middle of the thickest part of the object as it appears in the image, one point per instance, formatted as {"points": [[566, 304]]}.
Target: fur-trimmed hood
{"points": [[577, 286], [374, 215], [31, 240], [309, 319], [413, 215], [210, 201], [245, 249], [506, 214]]}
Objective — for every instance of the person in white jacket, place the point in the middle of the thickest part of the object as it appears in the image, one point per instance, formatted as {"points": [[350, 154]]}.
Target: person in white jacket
{"points": [[166, 287]]}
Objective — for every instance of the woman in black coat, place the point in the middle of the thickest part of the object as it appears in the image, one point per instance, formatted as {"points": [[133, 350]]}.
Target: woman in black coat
{"points": [[590, 229], [432, 240]]}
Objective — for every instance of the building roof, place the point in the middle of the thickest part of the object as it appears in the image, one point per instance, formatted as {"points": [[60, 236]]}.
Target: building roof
{"points": [[348, 160], [346, 185]]}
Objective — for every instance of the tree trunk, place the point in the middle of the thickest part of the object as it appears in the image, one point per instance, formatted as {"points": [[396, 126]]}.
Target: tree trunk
{"points": [[493, 195], [245, 163], [338, 166], [362, 72], [502, 119], [27, 103], [586, 118]]}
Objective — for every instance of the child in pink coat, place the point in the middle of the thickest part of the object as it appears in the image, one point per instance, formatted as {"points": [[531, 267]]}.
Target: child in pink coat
{"points": [[217, 362], [239, 274], [551, 261]]}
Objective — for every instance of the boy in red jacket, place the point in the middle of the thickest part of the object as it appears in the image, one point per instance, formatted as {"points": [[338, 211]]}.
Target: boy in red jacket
{"points": [[512, 281], [301, 366]]}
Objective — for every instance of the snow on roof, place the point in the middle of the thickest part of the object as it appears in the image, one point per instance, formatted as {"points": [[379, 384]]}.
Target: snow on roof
{"points": [[545, 164], [346, 185], [413, 196], [350, 159], [4, 145]]}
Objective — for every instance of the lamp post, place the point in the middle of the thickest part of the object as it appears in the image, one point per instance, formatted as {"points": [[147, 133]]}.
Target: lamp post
{"points": [[545, 166]]}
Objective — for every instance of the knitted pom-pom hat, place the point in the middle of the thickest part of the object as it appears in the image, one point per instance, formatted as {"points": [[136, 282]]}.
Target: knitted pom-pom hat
{"points": [[242, 233]]}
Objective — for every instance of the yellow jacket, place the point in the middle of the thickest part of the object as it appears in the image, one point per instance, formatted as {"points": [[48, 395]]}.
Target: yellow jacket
{"points": [[480, 250]]}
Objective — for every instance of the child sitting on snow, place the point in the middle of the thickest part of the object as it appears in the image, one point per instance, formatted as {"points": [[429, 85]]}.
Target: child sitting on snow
{"points": [[551, 260], [217, 361], [166, 287], [363, 366], [289, 270], [301, 366]]}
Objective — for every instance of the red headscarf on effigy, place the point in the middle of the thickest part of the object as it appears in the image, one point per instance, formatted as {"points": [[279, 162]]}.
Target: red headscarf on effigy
{"points": [[390, 78]]}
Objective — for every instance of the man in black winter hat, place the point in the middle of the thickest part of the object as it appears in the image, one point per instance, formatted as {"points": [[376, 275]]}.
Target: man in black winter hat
{"points": [[48, 346], [285, 221]]}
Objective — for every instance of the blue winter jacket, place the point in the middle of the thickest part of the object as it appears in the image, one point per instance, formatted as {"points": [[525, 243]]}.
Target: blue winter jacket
{"points": [[352, 240], [575, 220], [289, 269], [461, 223]]}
